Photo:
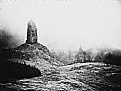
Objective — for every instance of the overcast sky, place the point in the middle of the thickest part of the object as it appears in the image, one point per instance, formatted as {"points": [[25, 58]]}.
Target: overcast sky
{"points": [[65, 25]]}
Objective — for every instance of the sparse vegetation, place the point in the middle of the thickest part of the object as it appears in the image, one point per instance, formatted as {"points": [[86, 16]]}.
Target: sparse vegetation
{"points": [[106, 55], [113, 57], [109, 56]]}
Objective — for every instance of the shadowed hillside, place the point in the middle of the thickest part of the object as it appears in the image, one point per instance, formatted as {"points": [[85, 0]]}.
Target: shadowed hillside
{"points": [[11, 69]]}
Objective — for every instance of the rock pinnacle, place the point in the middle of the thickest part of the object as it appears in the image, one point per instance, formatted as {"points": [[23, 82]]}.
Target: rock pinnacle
{"points": [[31, 32]]}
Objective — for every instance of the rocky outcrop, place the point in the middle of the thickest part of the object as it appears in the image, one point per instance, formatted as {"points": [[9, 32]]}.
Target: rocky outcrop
{"points": [[29, 57]]}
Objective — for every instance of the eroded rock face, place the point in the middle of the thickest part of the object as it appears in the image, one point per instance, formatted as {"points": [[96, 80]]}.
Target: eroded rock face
{"points": [[31, 32]]}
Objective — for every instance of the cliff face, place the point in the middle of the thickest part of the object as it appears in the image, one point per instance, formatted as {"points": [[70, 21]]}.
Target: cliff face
{"points": [[31, 54]]}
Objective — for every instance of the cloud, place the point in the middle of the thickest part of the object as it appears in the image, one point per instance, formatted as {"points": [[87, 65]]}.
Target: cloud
{"points": [[7, 40]]}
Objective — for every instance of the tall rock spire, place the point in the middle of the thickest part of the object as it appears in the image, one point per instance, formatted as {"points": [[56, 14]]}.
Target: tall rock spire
{"points": [[31, 32]]}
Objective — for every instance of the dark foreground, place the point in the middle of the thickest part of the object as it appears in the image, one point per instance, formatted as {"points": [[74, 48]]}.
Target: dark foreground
{"points": [[76, 77]]}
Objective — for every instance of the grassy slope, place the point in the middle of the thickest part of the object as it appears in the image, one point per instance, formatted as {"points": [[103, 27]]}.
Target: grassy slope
{"points": [[78, 77]]}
